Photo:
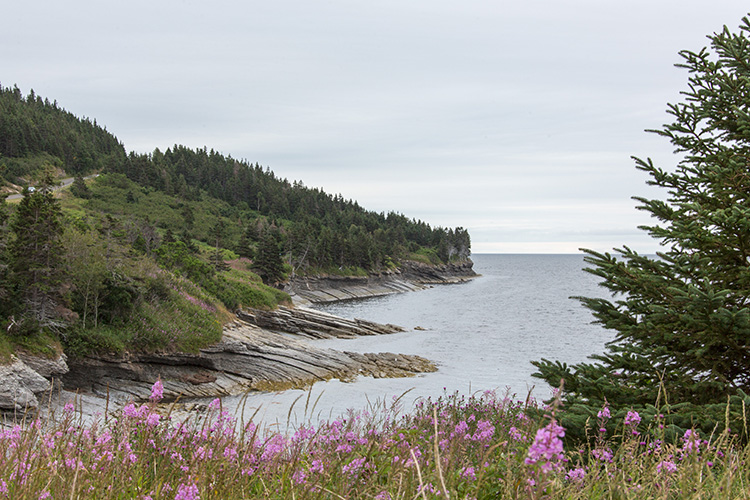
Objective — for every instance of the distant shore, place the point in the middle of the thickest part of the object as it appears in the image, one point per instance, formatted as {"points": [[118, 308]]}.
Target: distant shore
{"points": [[411, 276]]}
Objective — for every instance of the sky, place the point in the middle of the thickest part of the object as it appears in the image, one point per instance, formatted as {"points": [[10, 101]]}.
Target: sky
{"points": [[514, 120]]}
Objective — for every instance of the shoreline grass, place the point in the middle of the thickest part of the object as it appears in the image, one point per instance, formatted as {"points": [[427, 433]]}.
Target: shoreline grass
{"points": [[469, 447]]}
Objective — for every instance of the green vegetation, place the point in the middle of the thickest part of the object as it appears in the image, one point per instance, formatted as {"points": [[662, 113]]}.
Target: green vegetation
{"points": [[36, 133], [154, 252], [481, 447], [682, 319]]}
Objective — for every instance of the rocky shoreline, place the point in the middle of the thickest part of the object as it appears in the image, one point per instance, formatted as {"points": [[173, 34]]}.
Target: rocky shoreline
{"points": [[259, 351], [411, 276]]}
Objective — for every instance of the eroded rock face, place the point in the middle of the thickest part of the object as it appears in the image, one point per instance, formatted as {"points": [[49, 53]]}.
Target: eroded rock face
{"points": [[411, 276], [247, 358], [47, 368], [314, 324], [21, 386], [424, 274]]}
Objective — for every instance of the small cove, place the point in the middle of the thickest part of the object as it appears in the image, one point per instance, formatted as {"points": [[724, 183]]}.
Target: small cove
{"points": [[482, 334]]}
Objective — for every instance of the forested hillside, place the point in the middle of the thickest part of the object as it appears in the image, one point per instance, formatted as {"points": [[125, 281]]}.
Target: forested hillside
{"points": [[152, 251], [35, 131]]}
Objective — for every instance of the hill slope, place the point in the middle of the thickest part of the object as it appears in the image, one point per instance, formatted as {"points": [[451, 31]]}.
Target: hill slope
{"points": [[155, 252]]}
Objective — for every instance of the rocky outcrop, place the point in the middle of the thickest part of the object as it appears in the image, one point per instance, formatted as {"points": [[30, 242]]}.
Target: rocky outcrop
{"points": [[263, 350], [314, 324], [321, 289], [424, 274], [26, 379], [49, 368], [247, 358], [411, 276]]}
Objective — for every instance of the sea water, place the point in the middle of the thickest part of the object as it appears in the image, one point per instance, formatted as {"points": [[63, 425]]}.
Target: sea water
{"points": [[481, 334]]}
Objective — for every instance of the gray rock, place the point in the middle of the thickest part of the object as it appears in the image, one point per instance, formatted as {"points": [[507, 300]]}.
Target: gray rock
{"points": [[411, 276], [47, 368], [20, 386], [247, 358]]}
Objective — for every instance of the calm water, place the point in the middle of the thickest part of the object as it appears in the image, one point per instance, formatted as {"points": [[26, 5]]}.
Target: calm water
{"points": [[481, 334]]}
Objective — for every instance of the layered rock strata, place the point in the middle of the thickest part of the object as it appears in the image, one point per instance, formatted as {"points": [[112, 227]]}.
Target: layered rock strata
{"points": [[263, 350], [314, 324], [273, 356], [411, 276]]}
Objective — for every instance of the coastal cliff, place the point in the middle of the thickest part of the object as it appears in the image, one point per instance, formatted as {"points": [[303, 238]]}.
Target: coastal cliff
{"points": [[261, 350], [410, 276]]}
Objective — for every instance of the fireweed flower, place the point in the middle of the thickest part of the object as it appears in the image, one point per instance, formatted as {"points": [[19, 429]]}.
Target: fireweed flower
{"points": [[603, 454], [469, 473], [632, 419], [547, 447], [666, 467], [604, 413], [691, 442], [485, 431], [316, 466], [300, 477], [130, 411], [153, 419], [516, 435], [157, 391], [354, 467], [187, 492], [576, 475]]}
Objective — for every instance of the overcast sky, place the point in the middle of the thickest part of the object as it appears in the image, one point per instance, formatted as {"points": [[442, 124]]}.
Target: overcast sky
{"points": [[516, 120]]}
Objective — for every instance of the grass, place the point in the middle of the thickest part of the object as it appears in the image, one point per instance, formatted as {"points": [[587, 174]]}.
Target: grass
{"points": [[344, 271], [182, 319], [477, 447], [425, 256], [41, 344]]}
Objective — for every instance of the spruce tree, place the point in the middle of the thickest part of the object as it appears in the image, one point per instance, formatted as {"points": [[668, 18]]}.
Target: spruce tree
{"points": [[35, 254], [268, 263], [79, 188], [3, 255], [682, 319]]}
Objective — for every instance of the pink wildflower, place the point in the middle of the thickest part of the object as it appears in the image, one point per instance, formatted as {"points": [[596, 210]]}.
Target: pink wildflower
{"points": [[187, 492], [316, 466], [576, 475], [604, 412], [515, 434], [666, 467], [153, 419], [130, 411], [603, 454], [547, 446], [300, 477], [354, 467], [632, 419], [485, 431], [157, 391], [469, 473]]}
